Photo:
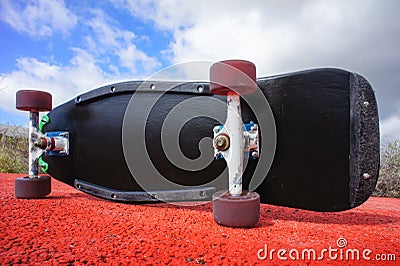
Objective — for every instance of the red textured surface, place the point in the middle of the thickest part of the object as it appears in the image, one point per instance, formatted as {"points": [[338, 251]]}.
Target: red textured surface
{"points": [[71, 227]]}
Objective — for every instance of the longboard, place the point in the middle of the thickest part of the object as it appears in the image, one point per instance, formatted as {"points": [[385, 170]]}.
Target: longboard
{"points": [[324, 155]]}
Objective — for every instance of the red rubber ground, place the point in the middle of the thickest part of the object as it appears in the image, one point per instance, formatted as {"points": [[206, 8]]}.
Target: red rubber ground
{"points": [[70, 227]]}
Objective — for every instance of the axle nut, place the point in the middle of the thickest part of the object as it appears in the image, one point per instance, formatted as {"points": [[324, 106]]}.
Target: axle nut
{"points": [[222, 142], [41, 143]]}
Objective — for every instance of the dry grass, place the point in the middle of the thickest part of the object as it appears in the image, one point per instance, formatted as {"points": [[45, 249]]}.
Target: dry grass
{"points": [[389, 175], [13, 153]]}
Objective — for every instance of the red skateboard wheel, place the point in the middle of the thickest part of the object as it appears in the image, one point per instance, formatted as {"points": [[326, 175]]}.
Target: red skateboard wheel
{"points": [[32, 188], [236, 211], [33, 101], [233, 75]]}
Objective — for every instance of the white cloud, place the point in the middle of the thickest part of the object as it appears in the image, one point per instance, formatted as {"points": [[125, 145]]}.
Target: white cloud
{"points": [[390, 128], [170, 14], [106, 30], [86, 70], [110, 38], [130, 56], [278, 36], [63, 82], [284, 36], [38, 18], [270, 33]]}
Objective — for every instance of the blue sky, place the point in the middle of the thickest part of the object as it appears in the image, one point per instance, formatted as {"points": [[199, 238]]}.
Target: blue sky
{"points": [[69, 47]]}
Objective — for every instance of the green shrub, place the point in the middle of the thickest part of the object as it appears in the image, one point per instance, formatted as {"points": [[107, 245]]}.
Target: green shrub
{"points": [[13, 154], [389, 175]]}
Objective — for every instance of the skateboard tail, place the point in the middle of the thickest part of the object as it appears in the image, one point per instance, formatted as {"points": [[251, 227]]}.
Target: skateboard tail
{"points": [[364, 140]]}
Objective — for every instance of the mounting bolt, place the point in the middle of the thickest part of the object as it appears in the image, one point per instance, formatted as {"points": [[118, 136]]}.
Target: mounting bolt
{"points": [[366, 176], [222, 142], [254, 154]]}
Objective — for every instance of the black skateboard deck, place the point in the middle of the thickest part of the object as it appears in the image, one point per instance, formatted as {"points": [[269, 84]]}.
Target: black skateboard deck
{"points": [[325, 154]]}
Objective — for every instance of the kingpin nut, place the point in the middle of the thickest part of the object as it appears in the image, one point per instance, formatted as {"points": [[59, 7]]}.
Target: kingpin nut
{"points": [[222, 142]]}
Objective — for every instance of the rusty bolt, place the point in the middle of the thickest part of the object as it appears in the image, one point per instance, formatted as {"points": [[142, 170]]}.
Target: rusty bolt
{"points": [[221, 142]]}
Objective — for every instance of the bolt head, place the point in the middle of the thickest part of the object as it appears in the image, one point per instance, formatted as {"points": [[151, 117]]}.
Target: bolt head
{"points": [[366, 176], [254, 154]]}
